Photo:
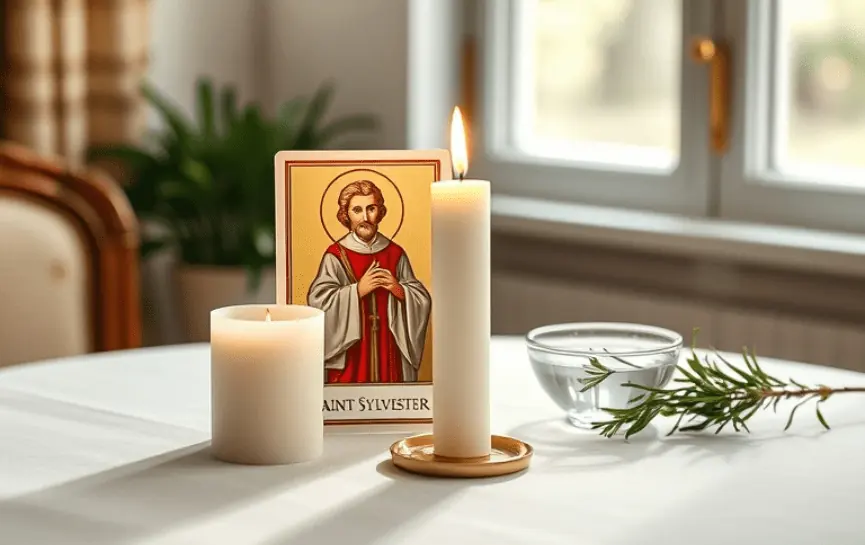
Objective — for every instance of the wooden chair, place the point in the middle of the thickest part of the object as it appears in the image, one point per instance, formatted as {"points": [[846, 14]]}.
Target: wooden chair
{"points": [[69, 278]]}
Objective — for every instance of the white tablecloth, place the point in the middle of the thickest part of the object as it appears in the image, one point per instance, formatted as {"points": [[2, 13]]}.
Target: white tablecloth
{"points": [[113, 448]]}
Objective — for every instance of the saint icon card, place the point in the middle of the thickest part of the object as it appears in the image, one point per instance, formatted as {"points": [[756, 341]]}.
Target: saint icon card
{"points": [[353, 238]]}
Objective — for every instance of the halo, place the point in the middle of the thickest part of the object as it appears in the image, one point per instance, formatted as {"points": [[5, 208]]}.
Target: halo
{"points": [[392, 197]]}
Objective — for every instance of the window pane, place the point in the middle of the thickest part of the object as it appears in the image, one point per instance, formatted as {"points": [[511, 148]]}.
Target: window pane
{"points": [[602, 80], [822, 51]]}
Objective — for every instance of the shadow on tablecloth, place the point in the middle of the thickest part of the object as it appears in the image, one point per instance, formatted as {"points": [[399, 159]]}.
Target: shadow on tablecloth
{"points": [[156, 495], [391, 512]]}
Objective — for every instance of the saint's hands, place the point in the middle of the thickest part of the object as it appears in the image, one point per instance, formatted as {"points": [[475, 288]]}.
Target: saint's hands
{"points": [[376, 277], [367, 282]]}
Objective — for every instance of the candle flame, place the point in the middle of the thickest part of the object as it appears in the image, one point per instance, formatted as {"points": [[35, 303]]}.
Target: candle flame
{"points": [[459, 151], [267, 316]]}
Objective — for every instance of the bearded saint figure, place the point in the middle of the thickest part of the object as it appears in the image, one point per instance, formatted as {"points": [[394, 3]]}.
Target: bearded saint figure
{"points": [[376, 311]]}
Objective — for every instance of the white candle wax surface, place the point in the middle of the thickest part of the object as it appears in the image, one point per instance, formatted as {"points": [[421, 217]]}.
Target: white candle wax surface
{"points": [[267, 383], [461, 317]]}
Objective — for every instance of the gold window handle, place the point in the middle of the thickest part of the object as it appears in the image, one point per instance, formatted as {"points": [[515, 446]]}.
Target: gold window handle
{"points": [[717, 56]]}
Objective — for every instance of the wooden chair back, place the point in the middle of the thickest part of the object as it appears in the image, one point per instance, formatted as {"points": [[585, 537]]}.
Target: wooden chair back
{"points": [[69, 260]]}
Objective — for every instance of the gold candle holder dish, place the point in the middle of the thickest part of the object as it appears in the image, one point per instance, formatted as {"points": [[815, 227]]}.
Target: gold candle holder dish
{"points": [[417, 455]]}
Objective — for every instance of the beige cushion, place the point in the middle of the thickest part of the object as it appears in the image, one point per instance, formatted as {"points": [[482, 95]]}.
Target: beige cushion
{"points": [[44, 288]]}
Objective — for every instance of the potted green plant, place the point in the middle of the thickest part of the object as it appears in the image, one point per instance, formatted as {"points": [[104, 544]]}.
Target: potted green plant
{"points": [[203, 188]]}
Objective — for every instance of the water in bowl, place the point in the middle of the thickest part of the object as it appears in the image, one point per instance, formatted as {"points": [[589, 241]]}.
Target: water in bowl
{"points": [[559, 376]]}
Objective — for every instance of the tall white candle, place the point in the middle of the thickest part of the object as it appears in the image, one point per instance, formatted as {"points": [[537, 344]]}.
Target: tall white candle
{"points": [[267, 383], [461, 311]]}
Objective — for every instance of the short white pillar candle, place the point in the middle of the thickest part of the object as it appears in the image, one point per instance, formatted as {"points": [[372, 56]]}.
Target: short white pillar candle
{"points": [[267, 383]]}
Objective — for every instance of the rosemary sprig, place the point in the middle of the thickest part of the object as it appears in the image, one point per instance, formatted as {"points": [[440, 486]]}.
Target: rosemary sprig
{"points": [[709, 395]]}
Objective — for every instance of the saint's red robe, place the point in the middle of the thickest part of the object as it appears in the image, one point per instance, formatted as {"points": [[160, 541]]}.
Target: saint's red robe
{"points": [[358, 367]]}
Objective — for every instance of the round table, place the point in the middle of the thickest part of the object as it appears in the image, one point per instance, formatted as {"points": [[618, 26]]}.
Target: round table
{"points": [[113, 448]]}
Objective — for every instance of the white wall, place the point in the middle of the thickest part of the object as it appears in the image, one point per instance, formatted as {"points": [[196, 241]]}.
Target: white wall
{"points": [[434, 47], [359, 45], [274, 50], [204, 37]]}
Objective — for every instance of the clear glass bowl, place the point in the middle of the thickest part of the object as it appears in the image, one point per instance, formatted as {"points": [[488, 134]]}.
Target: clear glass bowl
{"points": [[639, 354]]}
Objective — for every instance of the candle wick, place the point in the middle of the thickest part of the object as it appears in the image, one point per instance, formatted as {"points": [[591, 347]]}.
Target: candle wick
{"points": [[462, 175]]}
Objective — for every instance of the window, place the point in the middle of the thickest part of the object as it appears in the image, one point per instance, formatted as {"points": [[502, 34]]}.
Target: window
{"points": [[600, 81], [820, 86], [600, 101]]}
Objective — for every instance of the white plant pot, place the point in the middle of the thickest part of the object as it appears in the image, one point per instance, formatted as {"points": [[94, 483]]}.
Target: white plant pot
{"points": [[201, 289]]}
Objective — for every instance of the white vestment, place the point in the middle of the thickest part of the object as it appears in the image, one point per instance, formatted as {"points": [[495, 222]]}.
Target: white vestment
{"points": [[333, 292]]}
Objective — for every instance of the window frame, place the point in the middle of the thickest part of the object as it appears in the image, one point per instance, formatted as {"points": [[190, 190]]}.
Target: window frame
{"points": [[749, 188], [685, 190]]}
